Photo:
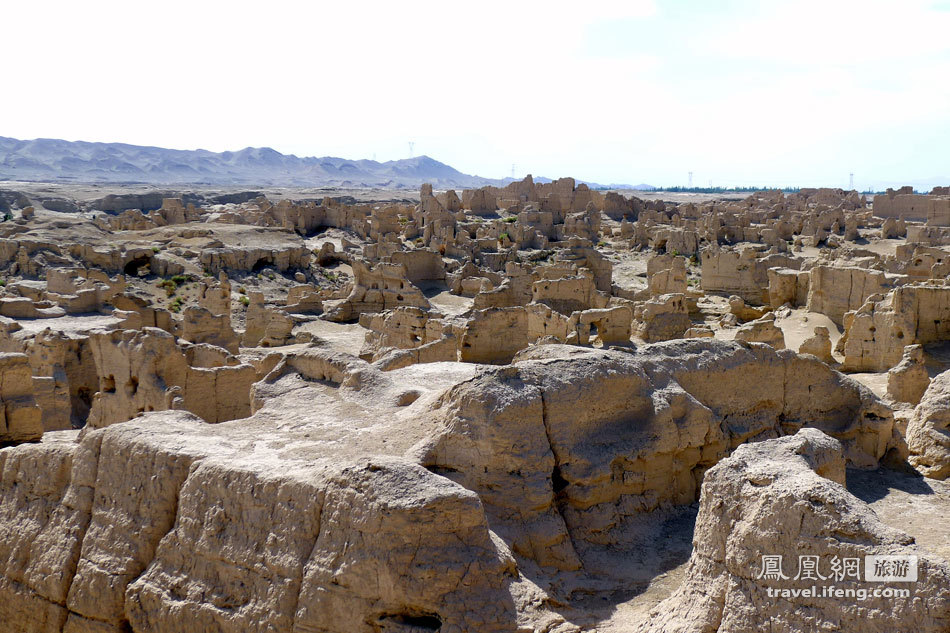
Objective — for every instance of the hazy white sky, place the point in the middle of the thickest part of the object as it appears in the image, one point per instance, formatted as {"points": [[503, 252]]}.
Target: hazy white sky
{"points": [[739, 92]]}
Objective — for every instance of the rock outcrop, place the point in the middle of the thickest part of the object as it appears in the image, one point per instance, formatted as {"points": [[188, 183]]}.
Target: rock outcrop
{"points": [[762, 330], [876, 334], [785, 497], [908, 380], [201, 325], [662, 318], [355, 499], [146, 370], [928, 431], [20, 418], [818, 345], [382, 287], [266, 326], [835, 290]]}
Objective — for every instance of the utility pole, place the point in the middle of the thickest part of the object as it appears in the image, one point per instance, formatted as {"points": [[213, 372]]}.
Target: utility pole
{"points": [[412, 145]]}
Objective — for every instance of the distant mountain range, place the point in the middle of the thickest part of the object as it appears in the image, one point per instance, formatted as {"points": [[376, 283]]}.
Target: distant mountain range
{"points": [[53, 160], [67, 161]]}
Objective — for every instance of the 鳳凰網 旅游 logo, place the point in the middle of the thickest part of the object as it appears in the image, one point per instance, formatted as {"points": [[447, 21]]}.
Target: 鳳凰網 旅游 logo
{"points": [[860, 577]]}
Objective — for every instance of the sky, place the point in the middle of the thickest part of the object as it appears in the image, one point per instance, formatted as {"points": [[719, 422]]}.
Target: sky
{"points": [[798, 93]]}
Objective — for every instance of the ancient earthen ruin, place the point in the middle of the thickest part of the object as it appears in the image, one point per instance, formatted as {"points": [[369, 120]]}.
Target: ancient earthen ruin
{"points": [[539, 407]]}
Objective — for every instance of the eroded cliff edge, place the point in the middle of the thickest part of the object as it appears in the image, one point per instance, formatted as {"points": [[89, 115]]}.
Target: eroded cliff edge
{"points": [[465, 497]]}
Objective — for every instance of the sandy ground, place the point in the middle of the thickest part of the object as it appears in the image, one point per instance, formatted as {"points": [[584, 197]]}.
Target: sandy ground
{"points": [[630, 273], [68, 324], [650, 571], [800, 325], [333, 236], [797, 325], [87, 192], [447, 303], [908, 502], [883, 247], [345, 337], [877, 383]]}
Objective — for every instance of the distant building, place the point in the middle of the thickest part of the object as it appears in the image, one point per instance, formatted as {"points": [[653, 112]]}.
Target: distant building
{"points": [[933, 208]]}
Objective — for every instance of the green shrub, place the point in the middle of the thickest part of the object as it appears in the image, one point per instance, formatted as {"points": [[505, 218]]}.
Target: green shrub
{"points": [[170, 286]]}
